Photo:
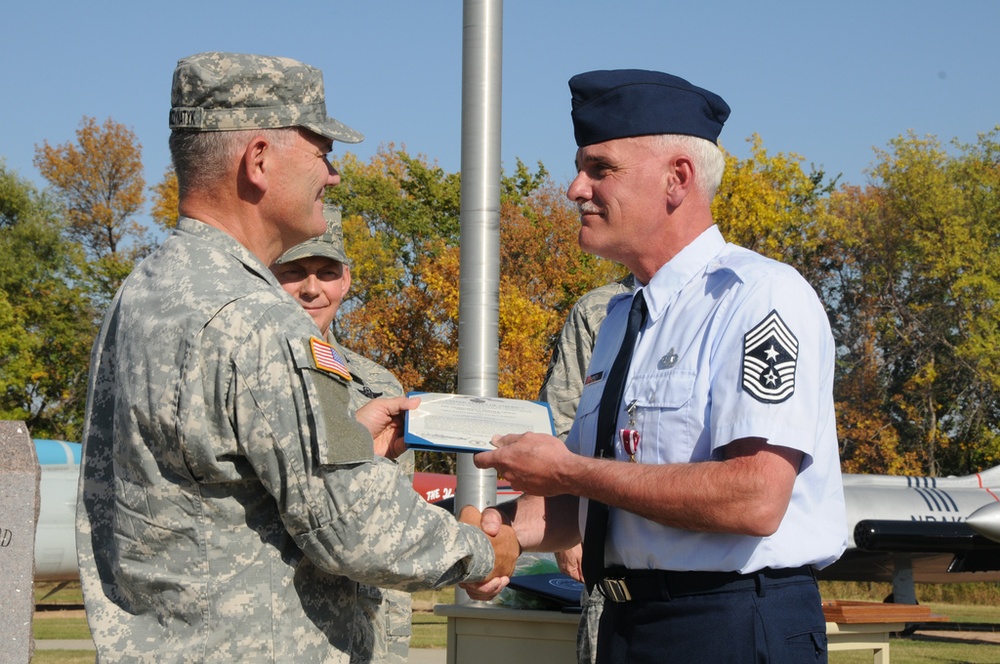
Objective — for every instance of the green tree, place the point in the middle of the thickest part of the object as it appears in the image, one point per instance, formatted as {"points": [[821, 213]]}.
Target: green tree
{"points": [[18, 199], [47, 323], [921, 297]]}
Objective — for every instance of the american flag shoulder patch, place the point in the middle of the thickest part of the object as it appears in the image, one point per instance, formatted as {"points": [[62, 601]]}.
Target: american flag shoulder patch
{"points": [[770, 353], [328, 359]]}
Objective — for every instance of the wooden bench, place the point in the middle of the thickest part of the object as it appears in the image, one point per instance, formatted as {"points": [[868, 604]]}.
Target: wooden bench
{"points": [[867, 625]]}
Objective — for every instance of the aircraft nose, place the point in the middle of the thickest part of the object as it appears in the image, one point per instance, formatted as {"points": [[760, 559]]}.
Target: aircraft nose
{"points": [[986, 521]]}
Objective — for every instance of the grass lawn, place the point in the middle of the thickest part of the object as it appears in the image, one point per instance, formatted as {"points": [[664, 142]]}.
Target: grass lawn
{"points": [[907, 651], [429, 630], [63, 657]]}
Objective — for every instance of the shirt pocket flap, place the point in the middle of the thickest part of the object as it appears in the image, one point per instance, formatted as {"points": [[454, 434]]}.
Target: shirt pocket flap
{"points": [[663, 389]]}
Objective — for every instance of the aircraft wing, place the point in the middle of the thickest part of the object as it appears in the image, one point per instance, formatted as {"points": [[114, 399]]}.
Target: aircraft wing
{"points": [[938, 551]]}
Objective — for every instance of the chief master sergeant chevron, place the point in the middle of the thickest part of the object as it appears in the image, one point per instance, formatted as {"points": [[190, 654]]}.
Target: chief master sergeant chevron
{"points": [[229, 505], [706, 481]]}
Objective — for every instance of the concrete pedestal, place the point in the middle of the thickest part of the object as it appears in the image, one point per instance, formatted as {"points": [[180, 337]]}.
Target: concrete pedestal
{"points": [[19, 501]]}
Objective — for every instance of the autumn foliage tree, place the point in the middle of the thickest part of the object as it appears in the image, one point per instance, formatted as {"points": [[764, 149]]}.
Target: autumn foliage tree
{"points": [[909, 270], [543, 273], [769, 203], [165, 200], [99, 181], [402, 233]]}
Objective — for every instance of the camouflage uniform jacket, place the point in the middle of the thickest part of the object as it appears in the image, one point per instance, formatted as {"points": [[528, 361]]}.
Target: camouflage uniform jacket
{"points": [[227, 498], [564, 377], [384, 616]]}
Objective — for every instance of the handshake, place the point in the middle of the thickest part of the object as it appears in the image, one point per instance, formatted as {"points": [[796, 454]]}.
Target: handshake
{"points": [[506, 550]]}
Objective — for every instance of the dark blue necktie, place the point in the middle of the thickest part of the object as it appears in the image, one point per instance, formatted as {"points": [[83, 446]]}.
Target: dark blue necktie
{"points": [[607, 420]]}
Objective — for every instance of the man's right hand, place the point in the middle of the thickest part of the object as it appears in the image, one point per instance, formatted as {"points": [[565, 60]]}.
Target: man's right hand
{"points": [[506, 550]]}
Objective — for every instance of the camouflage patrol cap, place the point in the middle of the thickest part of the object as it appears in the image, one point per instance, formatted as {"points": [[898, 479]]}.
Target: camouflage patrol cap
{"points": [[328, 245], [233, 91]]}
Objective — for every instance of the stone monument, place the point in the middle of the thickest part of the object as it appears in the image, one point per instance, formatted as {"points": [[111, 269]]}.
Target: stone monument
{"points": [[19, 502]]}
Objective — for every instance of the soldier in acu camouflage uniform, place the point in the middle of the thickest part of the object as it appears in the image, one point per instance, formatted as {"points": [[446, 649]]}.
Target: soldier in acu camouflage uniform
{"points": [[229, 504], [317, 275], [561, 390]]}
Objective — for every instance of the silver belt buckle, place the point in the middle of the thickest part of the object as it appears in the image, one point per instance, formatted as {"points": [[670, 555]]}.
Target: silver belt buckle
{"points": [[615, 590]]}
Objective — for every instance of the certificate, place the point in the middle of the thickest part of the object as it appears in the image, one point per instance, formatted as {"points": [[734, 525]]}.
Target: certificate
{"points": [[462, 423]]}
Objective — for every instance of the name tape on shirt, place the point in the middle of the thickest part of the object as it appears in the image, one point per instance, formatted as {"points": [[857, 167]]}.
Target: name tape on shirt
{"points": [[770, 351], [327, 358]]}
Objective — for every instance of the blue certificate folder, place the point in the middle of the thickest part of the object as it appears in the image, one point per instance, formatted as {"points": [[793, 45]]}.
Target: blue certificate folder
{"points": [[559, 588], [465, 423]]}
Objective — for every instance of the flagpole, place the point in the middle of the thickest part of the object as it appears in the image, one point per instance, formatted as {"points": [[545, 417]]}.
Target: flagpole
{"points": [[479, 278]]}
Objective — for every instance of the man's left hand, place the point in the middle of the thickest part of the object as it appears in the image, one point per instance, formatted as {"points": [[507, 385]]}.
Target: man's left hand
{"points": [[384, 420], [570, 562]]}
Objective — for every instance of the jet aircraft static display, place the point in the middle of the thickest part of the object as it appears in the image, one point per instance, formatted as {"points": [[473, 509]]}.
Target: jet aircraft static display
{"points": [[901, 529], [908, 530]]}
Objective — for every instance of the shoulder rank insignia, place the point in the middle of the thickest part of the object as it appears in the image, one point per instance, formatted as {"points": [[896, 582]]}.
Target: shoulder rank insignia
{"points": [[327, 358], [770, 351]]}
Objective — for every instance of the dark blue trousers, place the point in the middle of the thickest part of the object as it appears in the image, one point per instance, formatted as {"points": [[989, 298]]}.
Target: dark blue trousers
{"points": [[779, 622]]}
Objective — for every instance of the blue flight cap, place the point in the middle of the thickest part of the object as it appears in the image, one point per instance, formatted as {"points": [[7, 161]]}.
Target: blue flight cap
{"points": [[620, 103]]}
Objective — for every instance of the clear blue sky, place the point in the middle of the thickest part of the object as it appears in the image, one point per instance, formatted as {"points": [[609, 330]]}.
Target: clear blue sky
{"points": [[828, 81]]}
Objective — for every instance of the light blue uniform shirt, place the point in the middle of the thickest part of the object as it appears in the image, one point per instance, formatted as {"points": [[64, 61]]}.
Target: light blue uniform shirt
{"points": [[735, 345]]}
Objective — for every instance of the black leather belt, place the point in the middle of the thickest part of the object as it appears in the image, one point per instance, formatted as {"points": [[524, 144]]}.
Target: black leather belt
{"points": [[623, 585]]}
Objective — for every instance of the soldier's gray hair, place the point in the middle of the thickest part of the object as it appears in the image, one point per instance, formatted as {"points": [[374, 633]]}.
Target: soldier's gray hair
{"points": [[201, 158], [708, 159]]}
